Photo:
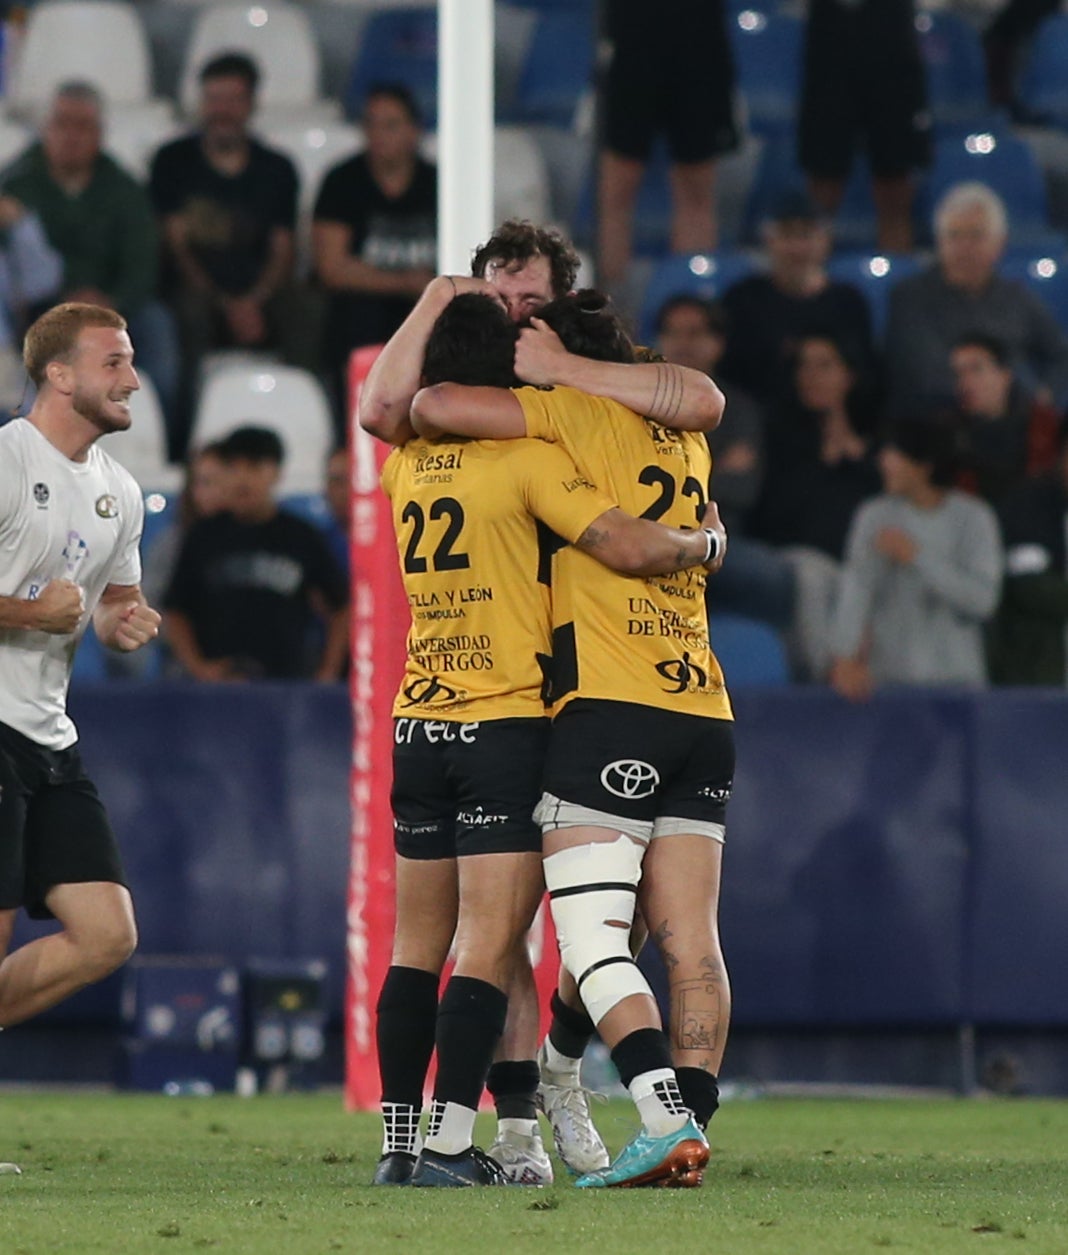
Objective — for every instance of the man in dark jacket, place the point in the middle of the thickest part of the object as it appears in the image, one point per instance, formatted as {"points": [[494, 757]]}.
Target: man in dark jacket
{"points": [[1026, 642]]}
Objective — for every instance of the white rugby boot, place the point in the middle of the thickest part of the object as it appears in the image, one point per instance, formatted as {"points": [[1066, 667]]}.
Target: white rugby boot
{"points": [[566, 1106], [523, 1158]]}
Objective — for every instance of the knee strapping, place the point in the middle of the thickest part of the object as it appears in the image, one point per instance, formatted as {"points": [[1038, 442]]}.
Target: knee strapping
{"points": [[592, 894]]}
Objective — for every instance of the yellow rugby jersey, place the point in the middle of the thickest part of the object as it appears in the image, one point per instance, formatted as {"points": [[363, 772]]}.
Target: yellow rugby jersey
{"points": [[619, 638], [475, 573]]}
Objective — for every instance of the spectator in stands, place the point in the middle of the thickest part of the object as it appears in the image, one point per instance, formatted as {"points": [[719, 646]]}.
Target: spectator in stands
{"points": [[375, 230], [962, 294], [922, 573], [671, 75], [820, 469], [31, 272], [691, 332], [1007, 434], [100, 221], [864, 92], [228, 206], [252, 582], [1026, 642], [767, 314], [338, 493], [204, 495]]}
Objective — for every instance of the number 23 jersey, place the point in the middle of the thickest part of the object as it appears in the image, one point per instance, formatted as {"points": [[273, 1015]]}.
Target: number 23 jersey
{"points": [[617, 638], [471, 561]]}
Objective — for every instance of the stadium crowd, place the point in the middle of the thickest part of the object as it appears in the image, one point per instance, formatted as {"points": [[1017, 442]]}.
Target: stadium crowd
{"points": [[217, 246]]}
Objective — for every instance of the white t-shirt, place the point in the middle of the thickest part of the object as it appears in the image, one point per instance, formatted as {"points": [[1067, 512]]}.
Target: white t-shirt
{"points": [[59, 519]]}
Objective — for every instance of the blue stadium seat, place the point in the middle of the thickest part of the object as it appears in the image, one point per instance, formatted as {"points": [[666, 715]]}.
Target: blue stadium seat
{"points": [[767, 47], [557, 67], [874, 275], [310, 506], [1043, 86], [398, 46], [1005, 164], [1046, 276], [750, 652], [704, 275], [956, 71]]}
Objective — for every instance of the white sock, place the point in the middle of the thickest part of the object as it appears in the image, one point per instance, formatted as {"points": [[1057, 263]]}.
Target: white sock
{"points": [[452, 1128], [508, 1125], [400, 1128], [559, 1064], [656, 1095]]}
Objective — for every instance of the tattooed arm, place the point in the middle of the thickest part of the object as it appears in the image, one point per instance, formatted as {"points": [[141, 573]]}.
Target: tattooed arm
{"points": [[676, 396], [641, 547]]}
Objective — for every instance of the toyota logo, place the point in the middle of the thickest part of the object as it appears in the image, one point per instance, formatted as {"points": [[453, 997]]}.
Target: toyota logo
{"points": [[630, 778]]}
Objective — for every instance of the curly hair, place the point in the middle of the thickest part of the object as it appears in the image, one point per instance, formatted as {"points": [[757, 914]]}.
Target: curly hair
{"points": [[517, 242]]}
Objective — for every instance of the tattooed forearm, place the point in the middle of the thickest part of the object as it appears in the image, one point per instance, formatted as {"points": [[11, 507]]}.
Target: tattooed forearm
{"points": [[592, 538], [667, 393]]}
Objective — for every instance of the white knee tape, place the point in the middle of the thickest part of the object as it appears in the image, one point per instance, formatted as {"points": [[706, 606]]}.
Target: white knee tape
{"points": [[588, 886]]}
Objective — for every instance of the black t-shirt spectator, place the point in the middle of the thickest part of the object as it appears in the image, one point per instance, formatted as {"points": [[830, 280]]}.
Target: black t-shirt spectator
{"points": [[765, 324], [230, 217], [247, 590], [392, 233], [806, 501]]}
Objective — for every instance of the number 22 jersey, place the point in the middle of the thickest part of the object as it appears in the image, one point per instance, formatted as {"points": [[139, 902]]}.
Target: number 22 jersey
{"points": [[475, 572]]}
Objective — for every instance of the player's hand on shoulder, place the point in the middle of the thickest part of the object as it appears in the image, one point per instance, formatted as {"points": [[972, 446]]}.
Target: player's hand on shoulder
{"points": [[468, 284], [137, 625], [539, 354], [59, 608], [711, 520]]}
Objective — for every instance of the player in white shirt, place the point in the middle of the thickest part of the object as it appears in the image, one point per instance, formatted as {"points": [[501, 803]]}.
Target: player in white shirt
{"points": [[70, 523]]}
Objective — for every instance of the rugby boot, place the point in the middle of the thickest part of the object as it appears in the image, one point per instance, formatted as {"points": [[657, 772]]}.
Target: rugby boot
{"points": [[470, 1167], [522, 1159], [566, 1106], [394, 1169], [676, 1159]]}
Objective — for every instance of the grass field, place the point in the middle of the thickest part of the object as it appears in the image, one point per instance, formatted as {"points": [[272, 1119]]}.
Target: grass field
{"points": [[272, 1175]]}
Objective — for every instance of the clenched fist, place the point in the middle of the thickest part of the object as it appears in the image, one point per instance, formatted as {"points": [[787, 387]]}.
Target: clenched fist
{"points": [[59, 608], [137, 625]]}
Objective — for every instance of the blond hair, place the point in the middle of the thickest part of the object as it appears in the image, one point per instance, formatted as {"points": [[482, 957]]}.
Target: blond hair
{"points": [[54, 336]]}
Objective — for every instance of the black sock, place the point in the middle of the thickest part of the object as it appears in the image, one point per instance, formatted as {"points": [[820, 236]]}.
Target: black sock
{"points": [[470, 1023], [700, 1092], [513, 1083], [404, 1031], [644, 1050], [571, 1030]]}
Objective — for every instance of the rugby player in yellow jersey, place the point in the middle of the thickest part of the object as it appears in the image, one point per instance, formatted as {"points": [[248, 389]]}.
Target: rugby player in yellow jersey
{"points": [[525, 266], [641, 756], [470, 735]]}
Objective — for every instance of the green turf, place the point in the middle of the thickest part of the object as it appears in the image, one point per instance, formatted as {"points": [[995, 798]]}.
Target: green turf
{"points": [[272, 1175]]}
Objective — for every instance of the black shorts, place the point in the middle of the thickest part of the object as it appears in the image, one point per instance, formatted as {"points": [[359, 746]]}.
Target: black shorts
{"points": [[640, 762], [53, 826], [846, 109], [660, 84], [467, 788]]}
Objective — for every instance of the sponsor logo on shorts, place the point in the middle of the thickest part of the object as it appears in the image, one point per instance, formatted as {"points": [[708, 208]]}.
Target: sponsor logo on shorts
{"points": [[478, 818], [630, 778], [722, 794], [107, 506], [41, 494]]}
